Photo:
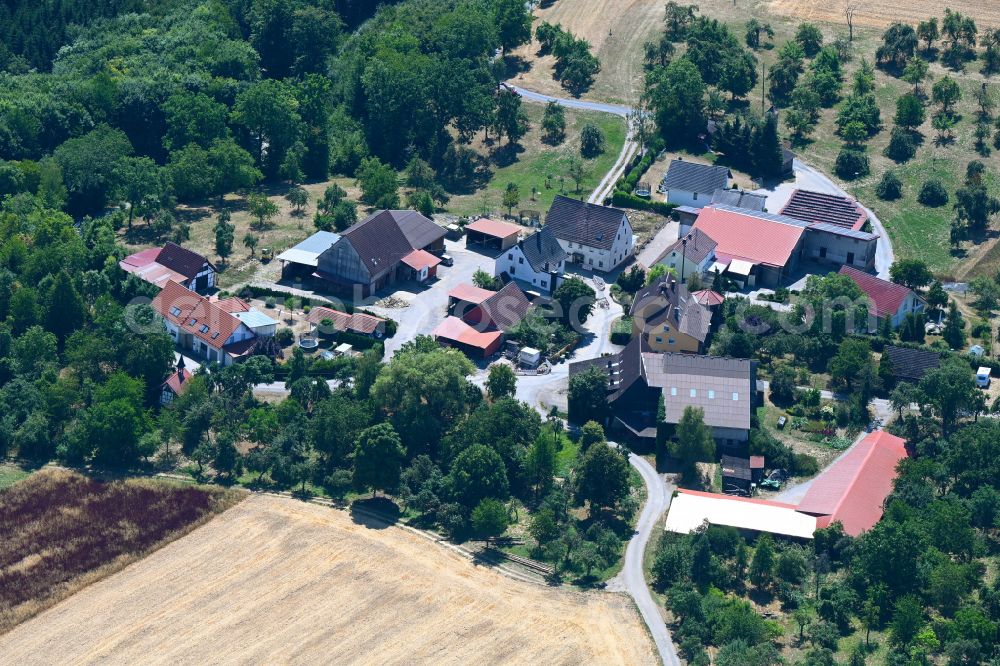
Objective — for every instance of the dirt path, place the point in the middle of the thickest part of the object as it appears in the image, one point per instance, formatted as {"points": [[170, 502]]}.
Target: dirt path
{"points": [[276, 580]]}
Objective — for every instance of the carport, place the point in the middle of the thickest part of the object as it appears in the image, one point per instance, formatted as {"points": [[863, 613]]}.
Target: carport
{"points": [[492, 234]]}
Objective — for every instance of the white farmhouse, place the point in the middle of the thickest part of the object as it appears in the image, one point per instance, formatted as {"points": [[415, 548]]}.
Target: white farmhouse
{"points": [[596, 237], [538, 260]]}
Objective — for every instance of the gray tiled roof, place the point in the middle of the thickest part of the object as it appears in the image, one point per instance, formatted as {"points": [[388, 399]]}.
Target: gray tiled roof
{"points": [[385, 237], [697, 248], [577, 221], [714, 380], [542, 250], [692, 177], [740, 199]]}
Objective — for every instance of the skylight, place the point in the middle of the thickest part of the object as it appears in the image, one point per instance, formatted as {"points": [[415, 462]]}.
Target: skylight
{"points": [[175, 311], [204, 328]]}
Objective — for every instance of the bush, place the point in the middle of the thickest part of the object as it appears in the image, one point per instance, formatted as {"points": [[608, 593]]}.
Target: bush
{"points": [[805, 465], [621, 333], [284, 336], [901, 146], [852, 164], [933, 194], [890, 187]]}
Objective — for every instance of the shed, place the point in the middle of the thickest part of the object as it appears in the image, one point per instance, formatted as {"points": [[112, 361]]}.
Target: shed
{"points": [[736, 477], [530, 357], [304, 257], [492, 234], [690, 509]]}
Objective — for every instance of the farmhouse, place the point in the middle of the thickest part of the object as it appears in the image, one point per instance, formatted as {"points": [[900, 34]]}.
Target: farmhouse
{"points": [[202, 327], [886, 300], [538, 260], [692, 254], [761, 249], [852, 492], [756, 249], [670, 318], [492, 234], [387, 246], [640, 381], [691, 184], [596, 237], [172, 262]]}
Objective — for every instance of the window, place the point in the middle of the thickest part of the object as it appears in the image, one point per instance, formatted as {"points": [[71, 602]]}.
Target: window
{"points": [[520, 260], [666, 329], [711, 394], [736, 396], [192, 322], [175, 311], [673, 390], [659, 339], [670, 341], [695, 196], [694, 393], [513, 269], [203, 329], [545, 283], [600, 264], [215, 335], [510, 256], [533, 280]]}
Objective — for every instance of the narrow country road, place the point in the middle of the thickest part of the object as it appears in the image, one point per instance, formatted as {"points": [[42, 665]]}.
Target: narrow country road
{"points": [[629, 148], [632, 578]]}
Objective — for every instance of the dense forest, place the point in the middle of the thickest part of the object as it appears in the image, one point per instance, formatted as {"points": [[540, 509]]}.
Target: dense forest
{"points": [[194, 99]]}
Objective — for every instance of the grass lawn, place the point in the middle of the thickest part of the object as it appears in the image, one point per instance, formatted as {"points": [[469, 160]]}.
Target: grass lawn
{"points": [[541, 166], [11, 474]]}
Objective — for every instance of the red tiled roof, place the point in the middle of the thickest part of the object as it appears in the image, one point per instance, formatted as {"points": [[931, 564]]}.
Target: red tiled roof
{"points": [[233, 305], [754, 239], [494, 228], [420, 259], [456, 330], [756, 462], [178, 382], [852, 490], [470, 293], [192, 313], [357, 322], [885, 297], [708, 297]]}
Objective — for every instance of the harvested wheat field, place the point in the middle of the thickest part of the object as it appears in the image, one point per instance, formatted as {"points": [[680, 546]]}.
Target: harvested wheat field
{"points": [[616, 29], [275, 580], [61, 531], [884, 12]]}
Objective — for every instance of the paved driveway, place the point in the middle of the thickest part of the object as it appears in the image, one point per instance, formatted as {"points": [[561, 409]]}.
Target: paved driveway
{"points": [[658, 244], [428, 303]]}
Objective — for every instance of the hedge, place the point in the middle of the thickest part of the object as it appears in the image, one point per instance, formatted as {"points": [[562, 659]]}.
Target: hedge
{"points": [[629, 200]]}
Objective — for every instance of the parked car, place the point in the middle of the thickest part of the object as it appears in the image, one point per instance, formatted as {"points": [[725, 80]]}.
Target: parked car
{"points": [[447, 260], [983, 377], [267, 254]]}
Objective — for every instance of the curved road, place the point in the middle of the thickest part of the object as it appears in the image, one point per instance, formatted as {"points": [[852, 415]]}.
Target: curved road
{"points": [[632, 578]]}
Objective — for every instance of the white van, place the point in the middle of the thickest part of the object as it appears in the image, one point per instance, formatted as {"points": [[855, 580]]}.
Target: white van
{"points": [[983, 378]]}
